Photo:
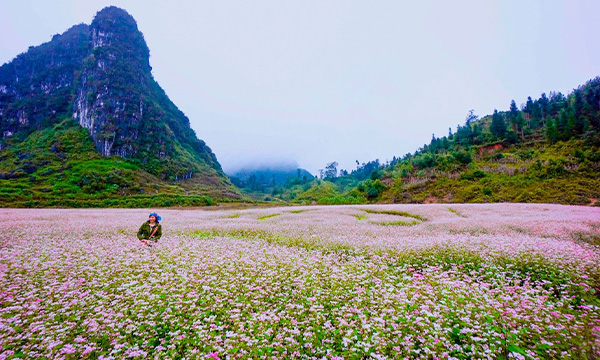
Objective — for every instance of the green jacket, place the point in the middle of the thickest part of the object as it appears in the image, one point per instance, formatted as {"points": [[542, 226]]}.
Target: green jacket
{"points": [[144, 232]]}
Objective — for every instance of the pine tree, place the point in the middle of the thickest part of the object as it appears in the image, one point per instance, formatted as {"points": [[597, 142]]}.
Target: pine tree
{"points": [[476, 134], [569, 131], [513, 114], [561, 124], [529, 110], [581, 125], [578, 103], [544, 105], [520, 122], [498, 126], [551, 134], [591, 93]]}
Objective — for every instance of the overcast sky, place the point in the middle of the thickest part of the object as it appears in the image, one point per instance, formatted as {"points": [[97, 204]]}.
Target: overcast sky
{"points": [[318, 81]]}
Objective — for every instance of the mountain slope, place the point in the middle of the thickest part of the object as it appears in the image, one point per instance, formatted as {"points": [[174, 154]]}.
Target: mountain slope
{"points": [[548, 150], [566, 172], [100, 75]]}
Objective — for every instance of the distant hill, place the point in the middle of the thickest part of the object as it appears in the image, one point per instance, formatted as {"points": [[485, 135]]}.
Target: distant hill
{"points": [[269, 176], [546, 150], [83, 123]]}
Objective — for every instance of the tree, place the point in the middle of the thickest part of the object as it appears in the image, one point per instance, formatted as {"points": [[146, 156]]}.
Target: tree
{"points": [[476, 134], [252, 184], [376, 174], [544, 103], [471, 117], [520, 123], [591, 94], [557, 102], [551, 133], [561, 124], [372, 188], [445, 143], [498, 126], [578, 103], [580, 125], [513, 113], [529, 106], [331, 170], [536, 112]]}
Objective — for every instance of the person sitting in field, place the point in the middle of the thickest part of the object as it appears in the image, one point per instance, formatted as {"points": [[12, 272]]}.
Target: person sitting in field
{"points": [[151, 230]]}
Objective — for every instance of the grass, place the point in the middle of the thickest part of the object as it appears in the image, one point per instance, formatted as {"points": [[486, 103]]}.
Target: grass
{"points": [[394, 212], [456, 212], [232, 216], [264, 217], [518, 230], [60, 167], [590, 236], [359, 217], [397, 223]]}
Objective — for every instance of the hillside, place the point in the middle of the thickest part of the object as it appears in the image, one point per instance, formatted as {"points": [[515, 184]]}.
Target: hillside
{"points": [[548, 150], [564, 173], [97, 78]]}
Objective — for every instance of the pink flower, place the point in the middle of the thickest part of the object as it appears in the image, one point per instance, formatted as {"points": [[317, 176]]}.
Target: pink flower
{"points": [[88, 349], [68, 349], [79, 339]]}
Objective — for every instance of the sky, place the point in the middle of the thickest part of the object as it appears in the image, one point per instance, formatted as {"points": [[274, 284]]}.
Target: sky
{"points": [[311, 82]]}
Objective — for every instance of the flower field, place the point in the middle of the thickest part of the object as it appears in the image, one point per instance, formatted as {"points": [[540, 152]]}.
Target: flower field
{"points": [[323, 282]]}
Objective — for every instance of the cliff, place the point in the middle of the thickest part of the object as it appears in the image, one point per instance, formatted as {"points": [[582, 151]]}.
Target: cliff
{"points": [[100, 76]]}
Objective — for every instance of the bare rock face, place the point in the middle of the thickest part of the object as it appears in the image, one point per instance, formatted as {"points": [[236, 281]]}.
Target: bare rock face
{"points": [[115, 80], [100, 75]]}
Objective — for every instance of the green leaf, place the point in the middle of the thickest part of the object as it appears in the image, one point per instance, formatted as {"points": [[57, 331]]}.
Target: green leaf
{"points": [[515, 348]]}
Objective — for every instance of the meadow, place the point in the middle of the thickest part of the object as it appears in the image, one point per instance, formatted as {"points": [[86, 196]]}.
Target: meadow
{"points": [[460, 281]]}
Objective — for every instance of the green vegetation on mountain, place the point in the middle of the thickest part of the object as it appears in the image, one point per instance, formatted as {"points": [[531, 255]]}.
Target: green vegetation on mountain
{"points": [[83, 123], [547, 151], [59, 166]]}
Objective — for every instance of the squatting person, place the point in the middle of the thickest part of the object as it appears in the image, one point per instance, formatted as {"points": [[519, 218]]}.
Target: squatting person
{"points": [[151, 230]]}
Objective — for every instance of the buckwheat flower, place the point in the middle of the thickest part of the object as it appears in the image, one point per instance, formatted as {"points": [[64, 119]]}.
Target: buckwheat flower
{"points": [[87, 349], [68, 349]]}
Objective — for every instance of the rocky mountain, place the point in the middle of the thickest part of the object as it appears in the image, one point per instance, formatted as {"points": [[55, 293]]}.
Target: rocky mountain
{"points": [[100, 76]]}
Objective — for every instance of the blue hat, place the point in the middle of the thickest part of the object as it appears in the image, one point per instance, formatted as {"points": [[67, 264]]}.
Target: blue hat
{"points": [[155, 215]]}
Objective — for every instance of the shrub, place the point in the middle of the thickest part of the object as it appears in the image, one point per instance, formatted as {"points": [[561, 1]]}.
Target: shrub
{"points": [[341, 200], [376, 174], [477, 174], [462, 157], [424, 161], [371, 188]]}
